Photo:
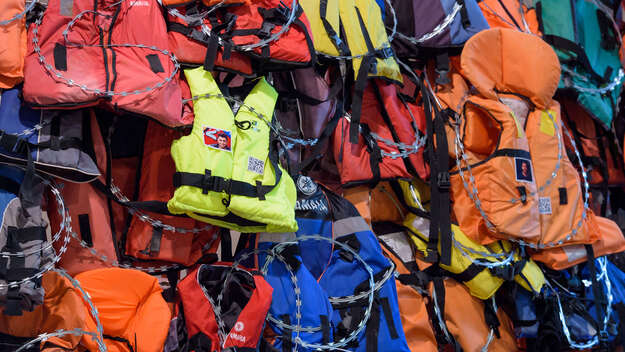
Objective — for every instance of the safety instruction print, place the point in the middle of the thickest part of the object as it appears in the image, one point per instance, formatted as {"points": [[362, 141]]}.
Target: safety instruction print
{"points": [[217, 138], [523, 168]]}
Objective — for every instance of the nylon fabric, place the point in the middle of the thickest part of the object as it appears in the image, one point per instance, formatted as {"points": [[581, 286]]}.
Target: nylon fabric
{"points": [[247, 159]]}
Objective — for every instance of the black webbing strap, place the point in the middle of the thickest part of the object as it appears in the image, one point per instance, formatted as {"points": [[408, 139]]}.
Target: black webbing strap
{"points": [[490, 316], [325, 329], [341, 46], [467, 274], [60, 57], [154, 246], [572, 47], [375, 154], [464, 14], [505, 8], [15, 144], [598, 295], [226, 245], [120, 339], [84, 225], [372, 329], [26, 234], [439, 184], [287, 343], [388, 316], [207, 183]]}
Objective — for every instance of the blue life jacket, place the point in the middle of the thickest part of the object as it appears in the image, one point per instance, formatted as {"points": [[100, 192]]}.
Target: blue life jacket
{"points": [[335, 274], [54, 138]]}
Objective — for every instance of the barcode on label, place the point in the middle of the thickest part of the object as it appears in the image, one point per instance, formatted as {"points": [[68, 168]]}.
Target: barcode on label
{"points": [[255, 165], [544, 205]]}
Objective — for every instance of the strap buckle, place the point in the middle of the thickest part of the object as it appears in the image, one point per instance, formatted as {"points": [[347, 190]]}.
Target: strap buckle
{"points": [[442, 180], [385, 53], [213, 183], [265, 30]]}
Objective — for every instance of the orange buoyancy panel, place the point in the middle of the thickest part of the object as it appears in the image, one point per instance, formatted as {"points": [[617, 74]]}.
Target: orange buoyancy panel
{"points": [[134, 317], [62, 308], [519, 183], [12, 42], [147, 241], [610, 241]]}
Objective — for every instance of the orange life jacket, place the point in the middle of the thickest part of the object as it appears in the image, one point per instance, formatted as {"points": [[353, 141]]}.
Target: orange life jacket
{"points": [[610, 241], [62, 308], [512, 14], [147, 242], [376, 204], [12, 43], [390, 143], [134, 315], [516, 181], [463, 315]]}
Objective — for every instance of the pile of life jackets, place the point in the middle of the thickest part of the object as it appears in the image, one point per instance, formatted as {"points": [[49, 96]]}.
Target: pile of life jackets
{"points": [[312, 175]]}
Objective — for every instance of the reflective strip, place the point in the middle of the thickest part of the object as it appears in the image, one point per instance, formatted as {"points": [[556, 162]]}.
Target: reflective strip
{"points": [[66, 8], [420, 225], [400, 245], [349, 225], [276, 237], [574, 253]]}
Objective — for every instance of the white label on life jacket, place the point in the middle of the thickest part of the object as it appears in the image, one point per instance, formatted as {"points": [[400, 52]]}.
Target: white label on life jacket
{"points": [[544, 205], [399, 244], [255, 165]]}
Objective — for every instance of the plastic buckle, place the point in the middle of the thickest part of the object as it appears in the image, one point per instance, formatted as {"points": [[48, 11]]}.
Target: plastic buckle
{"points": [[208, 182], [442, 180], [386, 53], [506, 273], [265, 30]]}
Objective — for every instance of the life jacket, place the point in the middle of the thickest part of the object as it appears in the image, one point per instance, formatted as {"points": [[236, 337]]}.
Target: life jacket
{"points": [[12, 42], [62, 308], [307, 109], [376, 204], [117, 66], [364, 41], [482, 268], [599, 151], [134, 317], [23, 231], [249, 190], [587, 42], [462, 319], [340, 277], [610, 241], [434, 24], [55, 139], [146, 241], [90, 215], [239, 26], [391, 139], [512, 151], [244, 305], [510, 14]]}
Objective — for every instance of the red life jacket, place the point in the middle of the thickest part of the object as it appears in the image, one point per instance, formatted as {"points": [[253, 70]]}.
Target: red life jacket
{"points": [[391, 141], [190, 44], [147, 242], [100, 56], [239, 25], [244, 307]]}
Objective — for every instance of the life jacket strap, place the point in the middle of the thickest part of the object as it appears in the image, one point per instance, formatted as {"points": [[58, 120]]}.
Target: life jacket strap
{"points": [[207, 183]]}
